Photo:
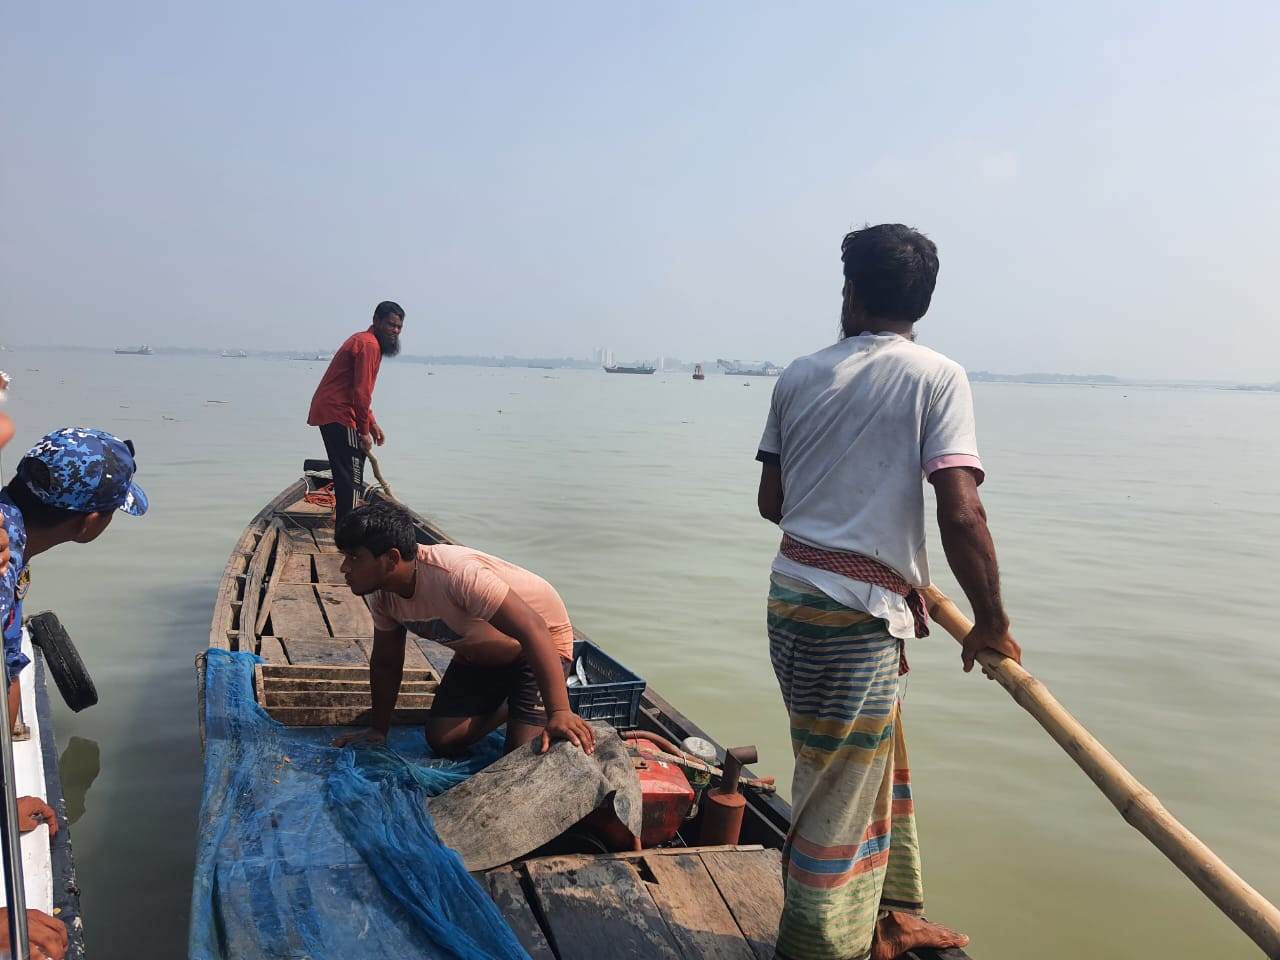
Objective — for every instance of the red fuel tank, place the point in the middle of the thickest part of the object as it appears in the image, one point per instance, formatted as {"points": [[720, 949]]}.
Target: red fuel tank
{"points": [[668, 798]]}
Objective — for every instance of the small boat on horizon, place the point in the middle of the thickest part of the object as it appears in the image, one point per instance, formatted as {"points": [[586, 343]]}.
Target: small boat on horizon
{"points": [[234, 354], [697, 372], [140, 351]]}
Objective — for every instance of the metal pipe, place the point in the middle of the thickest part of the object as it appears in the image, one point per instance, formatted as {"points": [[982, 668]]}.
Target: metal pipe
{"points": [[15, 892], [722, 814], [762, 784]]}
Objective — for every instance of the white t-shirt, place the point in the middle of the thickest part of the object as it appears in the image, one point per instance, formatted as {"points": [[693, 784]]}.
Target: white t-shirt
{"points": [[856, 428]]}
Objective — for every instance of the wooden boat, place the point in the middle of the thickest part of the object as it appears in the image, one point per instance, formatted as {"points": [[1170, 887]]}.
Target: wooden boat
{"points": [[48, 866], [283, 597]]}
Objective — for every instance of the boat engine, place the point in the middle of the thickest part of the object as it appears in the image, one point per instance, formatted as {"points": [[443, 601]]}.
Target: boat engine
{"points": [[668, 802]]}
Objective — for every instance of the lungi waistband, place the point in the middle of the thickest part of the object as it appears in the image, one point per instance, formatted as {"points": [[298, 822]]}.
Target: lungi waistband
{"points": [[857, 566]]}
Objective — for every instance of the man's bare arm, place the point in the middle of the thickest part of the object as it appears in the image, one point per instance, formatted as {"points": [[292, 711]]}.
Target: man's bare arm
{"points": [[518, 620], [769, 497], [386, 670], [971, 553]]}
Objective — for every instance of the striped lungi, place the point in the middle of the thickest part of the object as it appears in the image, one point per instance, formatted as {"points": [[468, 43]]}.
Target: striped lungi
{"points": [[852, 851]]}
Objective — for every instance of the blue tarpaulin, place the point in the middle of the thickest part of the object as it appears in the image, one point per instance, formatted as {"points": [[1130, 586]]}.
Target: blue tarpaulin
{"points": [[306, 851]]}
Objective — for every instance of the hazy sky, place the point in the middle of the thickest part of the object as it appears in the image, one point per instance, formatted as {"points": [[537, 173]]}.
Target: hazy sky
{"points": [[543, 178]]}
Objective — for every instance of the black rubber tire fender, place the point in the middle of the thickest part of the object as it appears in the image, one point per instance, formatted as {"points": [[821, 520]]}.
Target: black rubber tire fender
{"points": [[62, 660]]}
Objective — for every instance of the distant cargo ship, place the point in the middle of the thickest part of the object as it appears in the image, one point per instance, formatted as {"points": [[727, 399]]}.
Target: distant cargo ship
{"points": [[637, 368], [235, 354], [314, 357], [142, 351]]}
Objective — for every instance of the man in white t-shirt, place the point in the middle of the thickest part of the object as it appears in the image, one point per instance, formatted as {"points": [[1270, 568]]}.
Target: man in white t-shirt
{"points": [[853, 431]]}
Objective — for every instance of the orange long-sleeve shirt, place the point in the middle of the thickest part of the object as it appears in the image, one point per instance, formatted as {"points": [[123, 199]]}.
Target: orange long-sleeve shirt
{"points": [[345, 393]]}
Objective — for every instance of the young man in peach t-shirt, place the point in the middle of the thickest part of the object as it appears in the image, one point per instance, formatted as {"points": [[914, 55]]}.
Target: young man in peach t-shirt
{"points": [[508, 628]]}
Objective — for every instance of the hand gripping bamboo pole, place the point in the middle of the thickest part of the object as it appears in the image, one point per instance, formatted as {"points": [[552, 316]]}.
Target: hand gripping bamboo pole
{"points": [[1248, 909]]}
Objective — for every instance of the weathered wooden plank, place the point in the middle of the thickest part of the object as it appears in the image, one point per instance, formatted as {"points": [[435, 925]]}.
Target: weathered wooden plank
{"points": [[341, 717], [283, 550], [562, 861], [296, 612], [222, 630], [297, 568], [302, 508], [301, 538], [328, 568], [346, 700], [413, 657], [504, 888], [259, 693], [347, 614], [699, 920], [270, 650], [320, 672], [600, 909], [342, 686], [437, 654], [253, 585], [333, 652], [751, 884]]}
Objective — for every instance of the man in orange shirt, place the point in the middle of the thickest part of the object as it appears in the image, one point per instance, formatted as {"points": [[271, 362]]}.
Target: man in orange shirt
{"points": [[342, 408], [508, 629]]}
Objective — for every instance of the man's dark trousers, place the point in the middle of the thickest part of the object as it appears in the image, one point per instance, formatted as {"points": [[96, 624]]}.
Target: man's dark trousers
{"points": [[346, 461]]}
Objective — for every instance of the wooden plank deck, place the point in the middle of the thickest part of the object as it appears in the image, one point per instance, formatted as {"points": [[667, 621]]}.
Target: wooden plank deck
{"points": [[655, 903], [314, 635]]}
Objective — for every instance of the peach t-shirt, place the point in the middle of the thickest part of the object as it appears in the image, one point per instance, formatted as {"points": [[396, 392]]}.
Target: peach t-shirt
{"points": [[459, 588]]}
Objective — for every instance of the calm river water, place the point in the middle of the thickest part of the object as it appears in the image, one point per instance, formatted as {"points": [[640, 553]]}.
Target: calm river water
{"points": [[1137, 530]]}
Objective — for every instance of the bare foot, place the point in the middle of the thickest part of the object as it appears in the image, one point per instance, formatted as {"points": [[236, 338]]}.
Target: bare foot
{"points": [[899, 932]]}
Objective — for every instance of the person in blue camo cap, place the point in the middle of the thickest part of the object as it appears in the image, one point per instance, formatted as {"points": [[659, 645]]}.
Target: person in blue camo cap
{"points": [[66, 490]]}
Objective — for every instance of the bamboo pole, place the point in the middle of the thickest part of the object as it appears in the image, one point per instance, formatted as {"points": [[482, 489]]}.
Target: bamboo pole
{"points": [[1247, 909], [377, 474]]}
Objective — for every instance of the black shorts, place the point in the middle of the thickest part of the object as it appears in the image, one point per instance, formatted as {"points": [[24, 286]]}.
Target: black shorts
{"points": [[470, 690]]}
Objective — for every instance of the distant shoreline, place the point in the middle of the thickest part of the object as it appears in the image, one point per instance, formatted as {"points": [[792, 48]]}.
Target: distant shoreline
{"points": [[1106, 380], [574, 363]]}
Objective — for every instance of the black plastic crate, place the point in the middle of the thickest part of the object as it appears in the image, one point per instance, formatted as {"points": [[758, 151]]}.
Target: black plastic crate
{"points": [[611, 693]]}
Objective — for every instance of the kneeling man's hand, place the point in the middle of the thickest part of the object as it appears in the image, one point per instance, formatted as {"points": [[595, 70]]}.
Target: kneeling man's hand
{"points": [[567, 725]]}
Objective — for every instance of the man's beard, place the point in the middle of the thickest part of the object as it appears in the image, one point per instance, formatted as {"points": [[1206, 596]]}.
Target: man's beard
{"points": [[389, 342]]}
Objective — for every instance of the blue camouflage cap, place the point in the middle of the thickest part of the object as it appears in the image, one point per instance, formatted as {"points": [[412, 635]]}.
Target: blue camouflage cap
{"points": [[88, 471]]}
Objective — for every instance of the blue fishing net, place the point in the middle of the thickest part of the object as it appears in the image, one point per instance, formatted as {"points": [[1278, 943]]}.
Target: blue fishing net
{"points": [[310, 852]]}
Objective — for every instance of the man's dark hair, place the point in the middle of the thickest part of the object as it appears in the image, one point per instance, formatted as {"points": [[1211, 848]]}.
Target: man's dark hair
{"points": [[35, 512], [377, 527], [387, 308], [892, 270]]}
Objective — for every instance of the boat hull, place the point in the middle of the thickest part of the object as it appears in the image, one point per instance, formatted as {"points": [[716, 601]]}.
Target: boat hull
{"points": [[238, 624]]}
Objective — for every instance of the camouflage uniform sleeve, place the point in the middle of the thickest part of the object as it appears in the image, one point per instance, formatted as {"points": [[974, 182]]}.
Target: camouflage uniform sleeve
{"points": [[14, 658]]}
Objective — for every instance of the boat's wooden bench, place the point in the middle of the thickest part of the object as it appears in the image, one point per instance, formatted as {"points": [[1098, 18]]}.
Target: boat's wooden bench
{"points": [[681, 902]]}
